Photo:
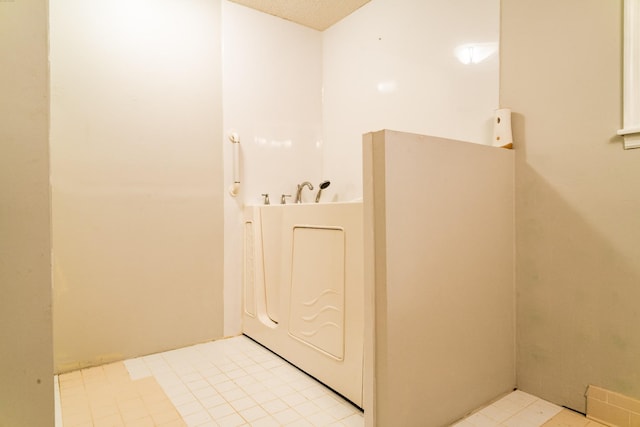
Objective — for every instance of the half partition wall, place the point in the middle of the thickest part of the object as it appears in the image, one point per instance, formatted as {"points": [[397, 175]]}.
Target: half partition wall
{"points": [[439, 278]]}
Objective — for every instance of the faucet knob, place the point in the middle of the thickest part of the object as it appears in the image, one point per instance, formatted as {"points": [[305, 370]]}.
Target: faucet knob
{"points": [[283, 199], [266, 198]]}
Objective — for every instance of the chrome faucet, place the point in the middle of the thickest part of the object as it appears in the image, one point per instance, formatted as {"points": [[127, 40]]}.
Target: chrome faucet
{"points": [[300, 188]]}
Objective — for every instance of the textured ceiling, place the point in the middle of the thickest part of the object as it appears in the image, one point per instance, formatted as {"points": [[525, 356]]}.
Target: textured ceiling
{"points": [[316, 14]]}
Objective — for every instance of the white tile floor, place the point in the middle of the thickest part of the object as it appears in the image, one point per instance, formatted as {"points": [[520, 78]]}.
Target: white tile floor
{"points": [[517, 409], [236, 382]]}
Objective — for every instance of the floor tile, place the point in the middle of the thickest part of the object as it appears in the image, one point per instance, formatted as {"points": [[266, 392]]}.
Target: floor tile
{"points": [[481, 420], [519, 409], [221, 411], [197, 418], [567, 418], [356, 420], [235, 382], [534, 415], [265, 422], [496, 413], [287, 416], [233, 420], [274, 406], [254, 413]]}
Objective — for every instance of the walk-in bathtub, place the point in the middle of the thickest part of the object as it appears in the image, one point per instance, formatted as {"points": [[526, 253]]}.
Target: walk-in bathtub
{"points": [[303, 288]]}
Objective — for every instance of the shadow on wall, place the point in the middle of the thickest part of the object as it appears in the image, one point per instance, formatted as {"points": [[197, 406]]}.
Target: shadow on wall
{"points": [[577, 294]]}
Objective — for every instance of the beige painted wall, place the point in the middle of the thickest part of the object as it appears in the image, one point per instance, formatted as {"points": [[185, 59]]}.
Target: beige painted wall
{"points": [[577, 203], [26, 371], [136, 174], [439, 230]]}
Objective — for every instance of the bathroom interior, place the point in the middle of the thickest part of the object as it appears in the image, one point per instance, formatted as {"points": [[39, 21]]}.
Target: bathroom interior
{"points": [[121, 238]]}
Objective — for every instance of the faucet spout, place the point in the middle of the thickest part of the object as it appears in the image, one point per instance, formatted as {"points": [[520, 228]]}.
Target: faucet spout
{"points": [[300, 188]]}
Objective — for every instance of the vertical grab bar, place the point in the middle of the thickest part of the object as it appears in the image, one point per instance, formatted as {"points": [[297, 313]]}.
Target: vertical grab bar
{"points": [[235, 143]]}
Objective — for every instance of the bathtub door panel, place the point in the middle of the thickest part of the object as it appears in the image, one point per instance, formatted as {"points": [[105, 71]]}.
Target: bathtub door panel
{"points": [[249, 269], [312, 253], [316, 306], [272, 231]]}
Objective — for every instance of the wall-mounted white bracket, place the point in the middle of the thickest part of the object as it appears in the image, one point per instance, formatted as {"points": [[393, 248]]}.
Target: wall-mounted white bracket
{"points": [[631, 130], [631, 138]]}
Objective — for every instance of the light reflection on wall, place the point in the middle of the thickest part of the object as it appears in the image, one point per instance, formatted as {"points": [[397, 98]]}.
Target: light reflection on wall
{"points": [[389, 86], [474, 53], [287, 143]]}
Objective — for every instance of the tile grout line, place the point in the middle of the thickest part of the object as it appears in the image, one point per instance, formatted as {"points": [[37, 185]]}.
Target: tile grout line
{"points": [[257, 357], [248, 384], [190, 391]]}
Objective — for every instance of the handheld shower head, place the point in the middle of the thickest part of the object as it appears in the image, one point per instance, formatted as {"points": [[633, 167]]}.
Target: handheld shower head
{"points": [[323, 185]]}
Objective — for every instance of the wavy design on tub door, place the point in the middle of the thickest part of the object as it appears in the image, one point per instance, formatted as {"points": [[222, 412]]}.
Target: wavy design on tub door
{"points": [[322, 310], [316, 308], [315, 300], [314, 332]]}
